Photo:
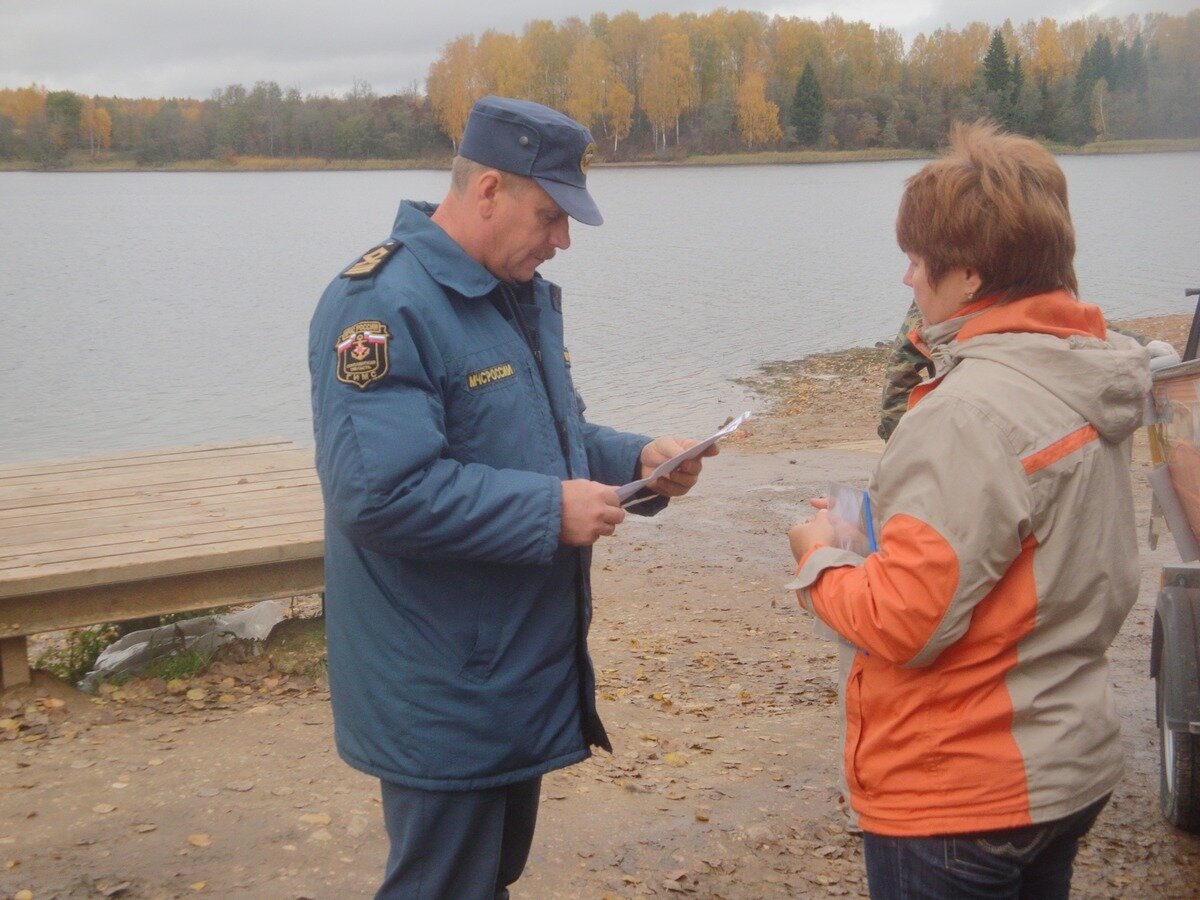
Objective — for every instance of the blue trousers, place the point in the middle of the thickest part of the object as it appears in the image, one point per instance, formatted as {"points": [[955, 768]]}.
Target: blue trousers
{"points": [[1033, 862], [457, 845]]}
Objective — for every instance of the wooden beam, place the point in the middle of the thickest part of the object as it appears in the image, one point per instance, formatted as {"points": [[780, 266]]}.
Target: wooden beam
{"points": [[14, 662], [90, 605]]}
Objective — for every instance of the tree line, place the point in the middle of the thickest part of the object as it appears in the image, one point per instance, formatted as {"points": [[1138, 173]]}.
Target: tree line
{"points": [[676, 85]]}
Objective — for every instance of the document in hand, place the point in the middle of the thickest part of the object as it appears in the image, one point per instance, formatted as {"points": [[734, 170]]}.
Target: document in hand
{"points": [[625, 491]]}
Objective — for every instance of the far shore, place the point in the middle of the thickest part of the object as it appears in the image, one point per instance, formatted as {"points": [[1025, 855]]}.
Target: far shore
{"points": [[831, 399], [113, 162]]}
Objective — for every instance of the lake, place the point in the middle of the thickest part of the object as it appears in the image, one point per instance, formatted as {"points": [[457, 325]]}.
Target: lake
{"points": [[162, 309]]}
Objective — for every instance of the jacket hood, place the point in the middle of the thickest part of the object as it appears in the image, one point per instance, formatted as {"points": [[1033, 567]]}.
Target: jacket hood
{"points": [[1064, 345]]}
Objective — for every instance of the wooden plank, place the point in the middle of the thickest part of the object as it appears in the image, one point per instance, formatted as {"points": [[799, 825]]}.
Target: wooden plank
{"points": [[135, 508], [87, 463], [158, 477], [105, 527], [305, 542], [67, 551], [14, 661], [205, 489], [159, 596], [150, 477]]}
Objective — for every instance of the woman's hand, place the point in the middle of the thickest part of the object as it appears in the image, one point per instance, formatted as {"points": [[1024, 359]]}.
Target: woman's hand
{"points": [[817, 530]]}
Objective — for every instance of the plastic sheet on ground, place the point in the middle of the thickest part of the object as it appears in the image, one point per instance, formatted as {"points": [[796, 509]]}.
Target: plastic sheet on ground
{"points": [[203, 635]]}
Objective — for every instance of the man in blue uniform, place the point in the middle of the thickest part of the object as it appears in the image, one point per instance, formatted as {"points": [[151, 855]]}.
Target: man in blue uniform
{"points": [[463, 491]]}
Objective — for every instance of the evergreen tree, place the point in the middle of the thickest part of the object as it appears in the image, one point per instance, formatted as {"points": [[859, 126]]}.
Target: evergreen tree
{"points": [[1018, 80], [1020, 100], [808, 107], [997, 75]]}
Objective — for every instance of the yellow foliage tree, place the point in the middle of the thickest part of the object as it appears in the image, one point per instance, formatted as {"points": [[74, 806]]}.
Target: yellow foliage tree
{"points": [[503, 66], [667, 85], [618, 112], [757, 117], [1043, 49], [453, 86], [588, 76], [22, 104]]}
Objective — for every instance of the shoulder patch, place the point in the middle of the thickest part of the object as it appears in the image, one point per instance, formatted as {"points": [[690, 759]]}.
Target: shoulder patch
{"points": [[556, 297], [373, 259], [362, 354]]}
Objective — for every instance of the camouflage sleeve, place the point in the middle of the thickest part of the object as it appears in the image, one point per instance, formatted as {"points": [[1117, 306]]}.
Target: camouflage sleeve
{"points": [[1140, 338], [904, 372]]}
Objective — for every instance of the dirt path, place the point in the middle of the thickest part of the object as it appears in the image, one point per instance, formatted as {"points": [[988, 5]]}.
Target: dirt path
{"points": [[720, 703]]}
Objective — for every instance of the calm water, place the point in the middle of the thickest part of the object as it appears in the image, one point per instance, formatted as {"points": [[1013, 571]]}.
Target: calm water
{"points": [[165, 309]]}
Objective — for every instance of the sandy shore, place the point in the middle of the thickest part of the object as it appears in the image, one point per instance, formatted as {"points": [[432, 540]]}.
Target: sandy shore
{"points": [[719, 700]]}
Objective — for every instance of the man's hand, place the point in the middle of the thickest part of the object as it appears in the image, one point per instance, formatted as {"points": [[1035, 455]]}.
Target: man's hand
{"points": [[590, 510], [679, 482]]}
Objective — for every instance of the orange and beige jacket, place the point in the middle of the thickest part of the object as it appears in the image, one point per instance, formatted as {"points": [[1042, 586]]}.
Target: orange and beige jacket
{"points": [[979, 698]]}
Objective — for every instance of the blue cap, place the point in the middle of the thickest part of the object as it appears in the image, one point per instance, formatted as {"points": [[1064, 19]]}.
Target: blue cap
{"points": [[538, 142]]}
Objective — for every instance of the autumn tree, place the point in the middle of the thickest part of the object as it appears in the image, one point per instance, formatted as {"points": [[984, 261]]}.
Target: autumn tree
{"points": [[667, 85], [503, 66], [589, 73], [95, 126], [454, 86], [757, 117], [618, 112]]}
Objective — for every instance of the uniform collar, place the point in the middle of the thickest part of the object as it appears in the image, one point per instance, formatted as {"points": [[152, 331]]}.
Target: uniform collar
{"points": [[445, 261]]}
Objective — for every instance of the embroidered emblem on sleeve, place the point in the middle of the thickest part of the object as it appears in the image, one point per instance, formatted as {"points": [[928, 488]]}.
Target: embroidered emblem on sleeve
{"points": [[362, 353]]}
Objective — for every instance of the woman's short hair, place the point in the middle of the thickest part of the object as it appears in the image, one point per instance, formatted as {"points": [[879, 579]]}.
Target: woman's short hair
{"points": [[996, 203]]}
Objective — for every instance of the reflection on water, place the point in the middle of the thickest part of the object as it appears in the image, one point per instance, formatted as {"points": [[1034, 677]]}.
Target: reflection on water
{"points": [[164, 309]]}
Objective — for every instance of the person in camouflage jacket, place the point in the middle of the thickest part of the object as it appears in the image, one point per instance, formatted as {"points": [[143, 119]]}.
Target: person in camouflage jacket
{"points": [[907, 367]]}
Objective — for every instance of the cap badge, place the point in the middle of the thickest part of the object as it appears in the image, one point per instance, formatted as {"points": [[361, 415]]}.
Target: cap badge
{"points": [[586, 162]]}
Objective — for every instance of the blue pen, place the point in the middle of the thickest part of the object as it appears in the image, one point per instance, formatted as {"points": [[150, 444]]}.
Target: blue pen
{"points": [[869, 523]]}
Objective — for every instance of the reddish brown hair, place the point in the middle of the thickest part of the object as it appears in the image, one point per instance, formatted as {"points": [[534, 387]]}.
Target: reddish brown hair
{"points": [[996, 203]]}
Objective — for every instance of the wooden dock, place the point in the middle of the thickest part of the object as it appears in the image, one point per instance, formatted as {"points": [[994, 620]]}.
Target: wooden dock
{"points": [[110, 538]]}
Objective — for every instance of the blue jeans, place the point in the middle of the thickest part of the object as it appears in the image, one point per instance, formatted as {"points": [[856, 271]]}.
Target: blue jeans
{"points": [[1034, 861]]}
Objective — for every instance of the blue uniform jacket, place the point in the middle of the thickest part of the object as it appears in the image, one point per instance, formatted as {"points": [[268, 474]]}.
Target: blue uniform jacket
{"points": [[456, 621]]}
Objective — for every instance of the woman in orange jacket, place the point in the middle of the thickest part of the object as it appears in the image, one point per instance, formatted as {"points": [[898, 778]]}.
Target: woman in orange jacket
{"points": [[981, 740]]}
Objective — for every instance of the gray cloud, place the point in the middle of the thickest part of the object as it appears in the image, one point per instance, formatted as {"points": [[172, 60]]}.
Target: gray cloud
{"points": [[188, 48]]}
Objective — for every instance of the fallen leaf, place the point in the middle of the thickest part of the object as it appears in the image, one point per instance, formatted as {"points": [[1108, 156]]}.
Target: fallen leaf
{"points": [[144, 827], [675, 759], [103, 808], [198, 886], [315, 819], [199, 840]]}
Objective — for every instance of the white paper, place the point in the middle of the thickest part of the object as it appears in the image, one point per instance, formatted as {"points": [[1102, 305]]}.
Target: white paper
{"points": [[625, 491]]}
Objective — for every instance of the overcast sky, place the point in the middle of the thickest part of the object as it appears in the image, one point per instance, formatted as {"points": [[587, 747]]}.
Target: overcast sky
{"points": [[187, 48]]}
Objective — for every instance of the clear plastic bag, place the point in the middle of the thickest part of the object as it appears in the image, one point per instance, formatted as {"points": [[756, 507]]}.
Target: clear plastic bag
{"points": [[850, 515]]}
